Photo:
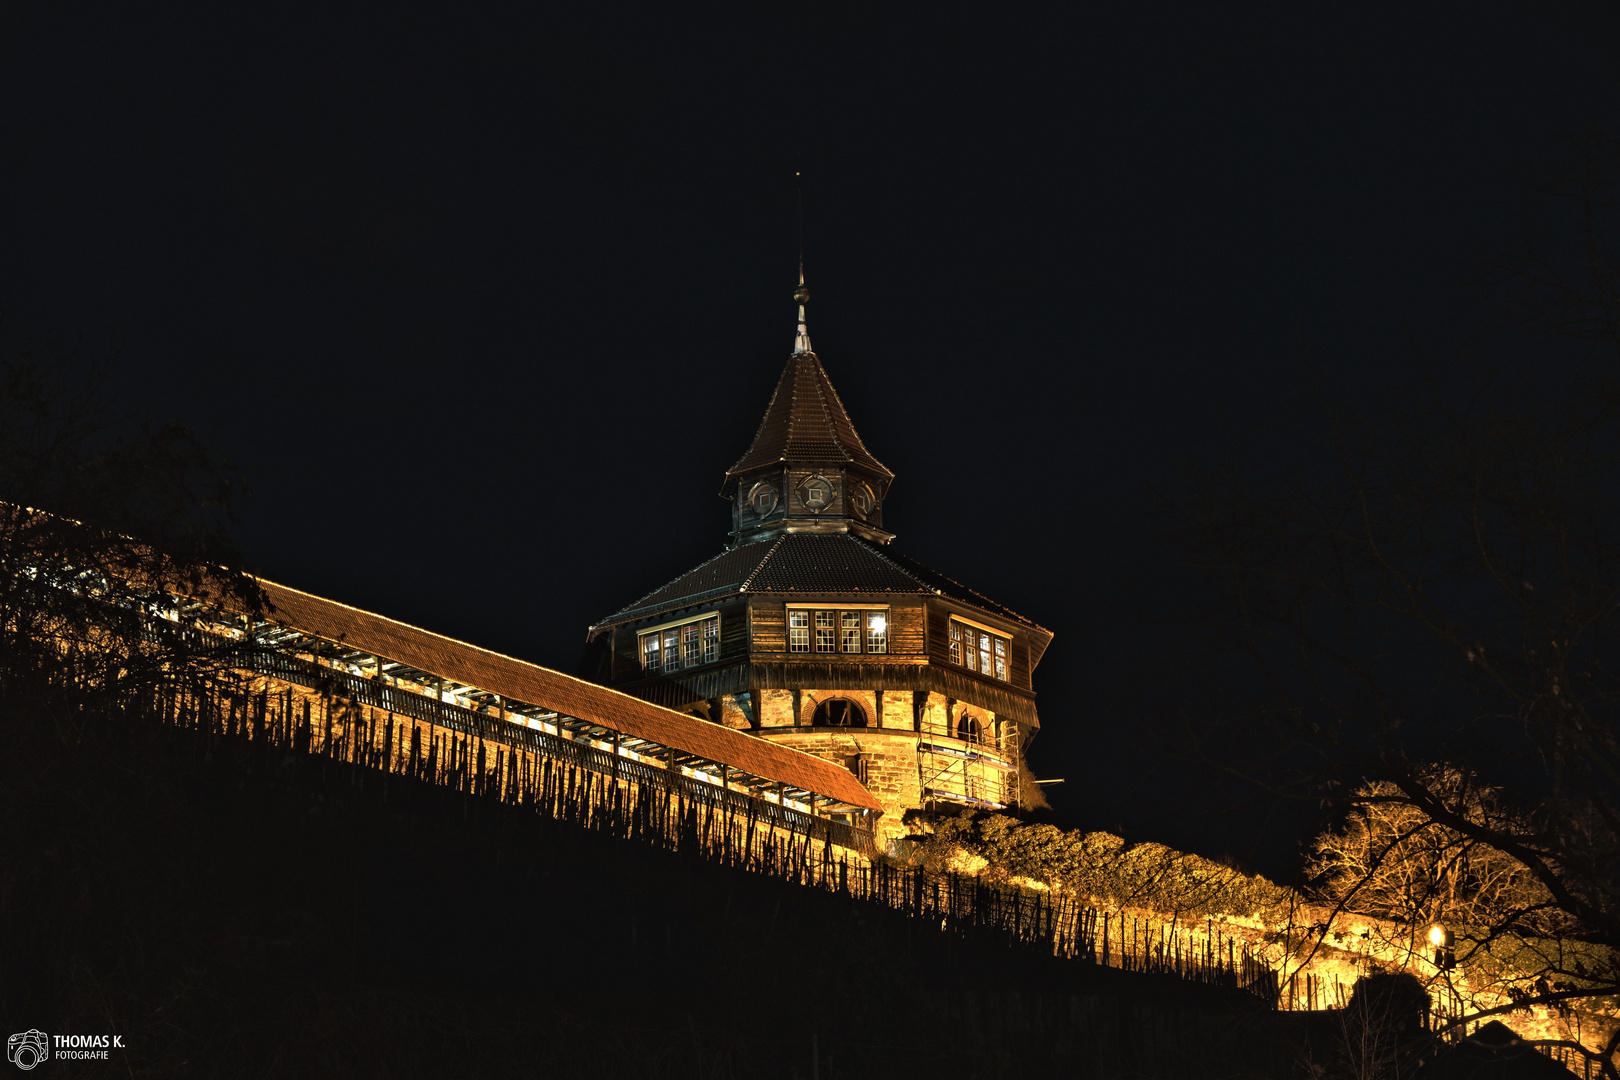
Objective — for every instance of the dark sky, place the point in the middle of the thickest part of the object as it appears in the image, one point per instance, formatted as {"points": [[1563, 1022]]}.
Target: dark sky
{"points": [[484, 300]]}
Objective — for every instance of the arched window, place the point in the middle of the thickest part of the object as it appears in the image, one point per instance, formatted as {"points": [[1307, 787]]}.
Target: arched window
{"points": [[967, 728], [839, 712]]}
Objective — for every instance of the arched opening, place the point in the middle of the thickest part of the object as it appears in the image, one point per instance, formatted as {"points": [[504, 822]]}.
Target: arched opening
{"points": [[839, 712], [967, 728]]}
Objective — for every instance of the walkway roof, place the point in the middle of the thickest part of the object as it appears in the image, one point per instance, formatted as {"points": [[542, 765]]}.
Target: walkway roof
{"points": [[530, 684]]}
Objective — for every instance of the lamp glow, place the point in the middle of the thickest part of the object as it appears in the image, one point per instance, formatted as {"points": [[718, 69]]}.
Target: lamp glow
{"points": [[1437, 935]]}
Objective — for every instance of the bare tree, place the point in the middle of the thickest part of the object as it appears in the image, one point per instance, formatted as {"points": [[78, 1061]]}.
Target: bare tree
{"points": [[98, 510], [1391, 859], [1443, 581]]}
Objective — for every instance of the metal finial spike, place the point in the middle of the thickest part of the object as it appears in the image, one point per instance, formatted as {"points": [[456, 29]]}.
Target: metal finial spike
{"points": [[801, 343]]}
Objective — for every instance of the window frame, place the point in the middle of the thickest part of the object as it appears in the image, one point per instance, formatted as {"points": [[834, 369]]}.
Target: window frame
{"points": [[824, 707], [981, 649], [763, 492], [825, 640], [807, 623], [694, 645]]}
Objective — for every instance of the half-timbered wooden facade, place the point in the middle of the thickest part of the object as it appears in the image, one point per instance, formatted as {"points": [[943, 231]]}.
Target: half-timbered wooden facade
{"points": [[811, 631]]}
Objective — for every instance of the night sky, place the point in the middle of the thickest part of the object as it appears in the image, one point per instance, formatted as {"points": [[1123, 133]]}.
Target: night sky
{"points": [[482, 302]]}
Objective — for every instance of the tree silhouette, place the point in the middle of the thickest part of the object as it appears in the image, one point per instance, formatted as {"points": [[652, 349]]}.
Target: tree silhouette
{"points": [[1443, 582], [98, 511]]}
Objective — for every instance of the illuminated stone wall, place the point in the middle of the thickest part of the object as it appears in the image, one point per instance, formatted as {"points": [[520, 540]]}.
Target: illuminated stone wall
{"points": [[890, 764], [899, 772]]}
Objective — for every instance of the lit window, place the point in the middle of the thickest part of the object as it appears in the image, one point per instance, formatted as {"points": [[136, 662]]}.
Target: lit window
{"points": [[857, 631], [672, 648], [826, 637], [850, 625], [980, 650], [877, 631]]}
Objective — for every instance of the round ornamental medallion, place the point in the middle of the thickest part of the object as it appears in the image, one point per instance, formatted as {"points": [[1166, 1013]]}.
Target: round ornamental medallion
{"points": [[816, 493], [861, 497], [762, 498]]}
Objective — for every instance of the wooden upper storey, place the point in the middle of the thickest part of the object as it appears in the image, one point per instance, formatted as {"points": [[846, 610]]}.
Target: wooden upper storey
{"points": [[752, 592]]}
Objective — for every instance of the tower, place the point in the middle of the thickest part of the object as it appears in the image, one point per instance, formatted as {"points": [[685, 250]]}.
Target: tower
{"points": [[806, 471], [811, 631]]}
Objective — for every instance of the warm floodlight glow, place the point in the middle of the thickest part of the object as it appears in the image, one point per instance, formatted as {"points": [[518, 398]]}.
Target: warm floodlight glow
{"points": [[1441, 939]]}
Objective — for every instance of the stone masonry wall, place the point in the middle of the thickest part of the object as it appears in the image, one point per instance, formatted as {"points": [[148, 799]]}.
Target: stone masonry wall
{"points": [[895, 772], [891, 766]]}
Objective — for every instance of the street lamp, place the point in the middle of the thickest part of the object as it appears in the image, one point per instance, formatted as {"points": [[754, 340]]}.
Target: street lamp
{"points": [[1445, 957]]}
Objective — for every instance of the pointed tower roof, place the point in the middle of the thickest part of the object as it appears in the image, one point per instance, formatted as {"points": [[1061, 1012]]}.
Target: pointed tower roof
{"points": [[805, 421]]}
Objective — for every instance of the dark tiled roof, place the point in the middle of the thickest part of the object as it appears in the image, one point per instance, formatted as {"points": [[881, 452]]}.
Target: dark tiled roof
{"points": [[535, 685], [806, 563], [829, 562], [956, 590], [805, 421], [720, 576]]}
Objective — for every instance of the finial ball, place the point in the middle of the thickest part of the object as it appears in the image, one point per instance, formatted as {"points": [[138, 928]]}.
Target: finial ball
{"points": [[801, 294]]}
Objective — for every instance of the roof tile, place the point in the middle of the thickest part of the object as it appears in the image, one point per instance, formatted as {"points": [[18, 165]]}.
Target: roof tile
{"points": [[806, 421], [535, 685], [806, 563]]}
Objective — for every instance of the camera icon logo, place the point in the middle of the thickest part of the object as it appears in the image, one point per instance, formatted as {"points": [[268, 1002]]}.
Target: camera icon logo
{"points": [[28, 1048]]}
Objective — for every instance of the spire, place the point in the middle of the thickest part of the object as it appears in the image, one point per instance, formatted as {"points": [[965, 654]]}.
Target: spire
{"points": [[801, 343], [806, 470]]}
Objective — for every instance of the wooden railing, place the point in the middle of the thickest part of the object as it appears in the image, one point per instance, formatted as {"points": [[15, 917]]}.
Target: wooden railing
{"points": [[571, 782], [275, 664]]}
